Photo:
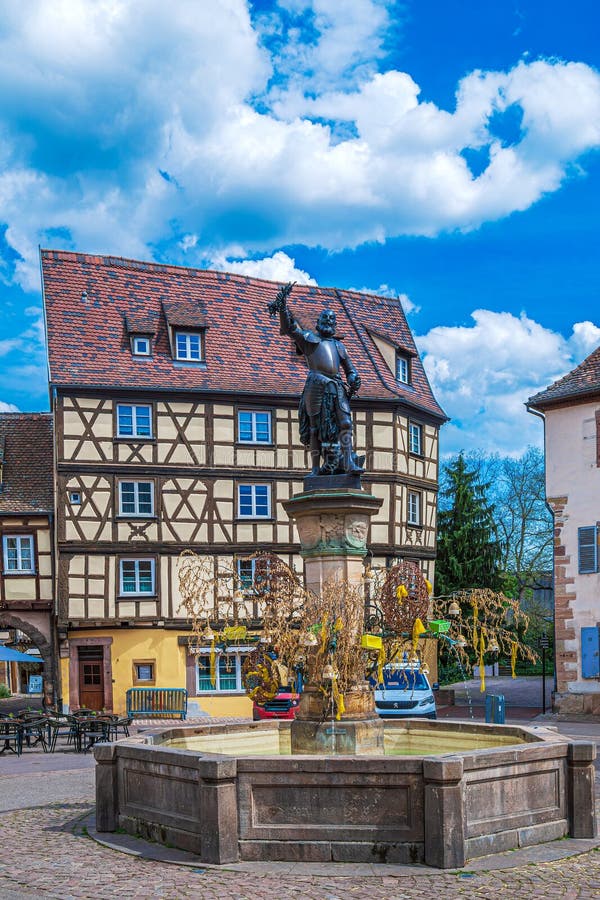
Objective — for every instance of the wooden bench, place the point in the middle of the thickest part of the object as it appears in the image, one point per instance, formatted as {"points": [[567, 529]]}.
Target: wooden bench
{"points": [[154, 702]]}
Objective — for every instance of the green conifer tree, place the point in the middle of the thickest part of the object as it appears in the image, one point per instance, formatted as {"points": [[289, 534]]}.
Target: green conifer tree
{"points": [[469, 551]]}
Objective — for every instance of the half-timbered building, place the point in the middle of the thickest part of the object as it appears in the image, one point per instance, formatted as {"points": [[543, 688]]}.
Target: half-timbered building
{"points": [[26, 539], [175, 403]]}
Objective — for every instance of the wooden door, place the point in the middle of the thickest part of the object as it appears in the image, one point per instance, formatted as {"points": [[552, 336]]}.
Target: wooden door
{"points": [[91, 677]]}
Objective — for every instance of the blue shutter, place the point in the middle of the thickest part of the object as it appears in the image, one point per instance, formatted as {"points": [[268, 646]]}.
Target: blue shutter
{"points": [[590, 652], [588, 552]]}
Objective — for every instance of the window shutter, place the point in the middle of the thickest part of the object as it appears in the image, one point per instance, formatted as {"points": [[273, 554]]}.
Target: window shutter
{"points": [[587, 549], [590, 652]]}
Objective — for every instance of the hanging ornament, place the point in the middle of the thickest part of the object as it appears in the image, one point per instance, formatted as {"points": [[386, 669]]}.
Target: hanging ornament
{"points": [[329, 673], [404, 598], [309, 639], [454, 609]]}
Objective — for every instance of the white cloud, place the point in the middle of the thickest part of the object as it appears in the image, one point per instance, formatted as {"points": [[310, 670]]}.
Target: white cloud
{"points": [[585, 338], [279, 267], [322, 43], [482, 374], [8, 407], [162, 125]]}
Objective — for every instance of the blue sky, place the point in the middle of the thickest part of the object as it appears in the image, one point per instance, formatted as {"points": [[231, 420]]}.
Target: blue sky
{"points": [[441, 151]]}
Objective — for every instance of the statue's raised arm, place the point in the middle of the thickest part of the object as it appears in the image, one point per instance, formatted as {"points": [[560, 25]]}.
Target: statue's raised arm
{"points": [[325, 420]]}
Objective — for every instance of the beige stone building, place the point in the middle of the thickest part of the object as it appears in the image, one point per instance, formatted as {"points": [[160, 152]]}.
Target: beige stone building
{"points": [[174, 398], [26, 543], [571, 411]]}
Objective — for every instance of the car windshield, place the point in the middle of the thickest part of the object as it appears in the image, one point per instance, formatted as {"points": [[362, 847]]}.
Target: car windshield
{"points": [[405, 680]]}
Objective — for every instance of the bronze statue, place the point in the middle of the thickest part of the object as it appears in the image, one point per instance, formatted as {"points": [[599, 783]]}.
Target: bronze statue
{"points": [[324, 411]]}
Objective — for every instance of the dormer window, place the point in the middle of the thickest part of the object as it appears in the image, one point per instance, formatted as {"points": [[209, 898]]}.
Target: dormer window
{"points": [[402, 368], [141, 329], [186, 324], [140, 345], [189, 346]]}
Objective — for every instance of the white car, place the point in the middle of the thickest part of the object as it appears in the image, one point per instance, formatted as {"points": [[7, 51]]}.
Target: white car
{"points": [[405, 692]]}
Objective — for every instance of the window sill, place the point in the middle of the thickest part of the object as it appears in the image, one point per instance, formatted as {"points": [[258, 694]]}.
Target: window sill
{"points": [[126, 517], [417, 525], [255, 519], [189, 363], [133, 439], [133, 596], [268, 444], [8, 572], [221, 694]]}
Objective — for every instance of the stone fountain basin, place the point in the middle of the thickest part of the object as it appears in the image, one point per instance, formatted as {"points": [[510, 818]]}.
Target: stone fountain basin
{"points": [[444, 792]]}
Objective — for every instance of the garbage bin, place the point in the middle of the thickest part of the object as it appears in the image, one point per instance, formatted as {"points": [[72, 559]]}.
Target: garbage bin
{"points": [[494, 708]]}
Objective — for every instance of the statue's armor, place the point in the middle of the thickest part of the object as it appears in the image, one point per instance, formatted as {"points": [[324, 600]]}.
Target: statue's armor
{"points": [[324, 357], [324, 411]]}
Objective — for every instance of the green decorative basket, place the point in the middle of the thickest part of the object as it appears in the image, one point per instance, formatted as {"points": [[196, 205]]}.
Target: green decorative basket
{"points": [[438, 626]]}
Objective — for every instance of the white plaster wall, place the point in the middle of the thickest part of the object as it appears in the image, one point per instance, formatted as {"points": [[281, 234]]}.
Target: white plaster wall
{"points": [[572, 472]]}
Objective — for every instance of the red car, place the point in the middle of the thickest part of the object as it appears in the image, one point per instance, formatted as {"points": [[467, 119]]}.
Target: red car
{"points": [[283, 706]]}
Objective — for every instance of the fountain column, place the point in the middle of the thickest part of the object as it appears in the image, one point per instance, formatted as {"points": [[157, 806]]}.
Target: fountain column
{"points": [[333, 524]]}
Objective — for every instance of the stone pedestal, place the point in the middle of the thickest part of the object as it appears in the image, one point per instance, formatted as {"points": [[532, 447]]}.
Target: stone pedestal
{"points": [[333, 525]]}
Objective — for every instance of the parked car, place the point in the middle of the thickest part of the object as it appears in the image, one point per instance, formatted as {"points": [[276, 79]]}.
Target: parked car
{"points": [[283, 706], [405, 692]]}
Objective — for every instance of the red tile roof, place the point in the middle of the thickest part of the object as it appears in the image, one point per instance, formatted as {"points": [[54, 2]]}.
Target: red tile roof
{"points": [[26, 462], [581, 383], [88, 297]]}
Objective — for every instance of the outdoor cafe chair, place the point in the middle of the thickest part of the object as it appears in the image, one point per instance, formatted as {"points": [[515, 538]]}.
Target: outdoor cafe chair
{"points": [[35, 731], [11, 736], [62, 726], [91, 731], [120, 724]]}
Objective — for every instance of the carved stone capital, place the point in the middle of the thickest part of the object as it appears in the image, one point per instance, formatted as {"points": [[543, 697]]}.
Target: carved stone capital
{"points": [[333, 522]]}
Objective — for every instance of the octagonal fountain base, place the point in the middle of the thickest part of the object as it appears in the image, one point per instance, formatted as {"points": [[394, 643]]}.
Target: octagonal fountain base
{"points": [[442, 793]]}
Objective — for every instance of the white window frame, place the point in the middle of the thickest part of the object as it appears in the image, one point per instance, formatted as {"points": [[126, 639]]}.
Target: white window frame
{"points": [[252, 563], [253, 413], [136, 499], [413, 516], [414, 429], [20, 539], [137, 561], [239, 653], [186, 356], [253, 514], [135, 345], [134, 423], [402, 368]]}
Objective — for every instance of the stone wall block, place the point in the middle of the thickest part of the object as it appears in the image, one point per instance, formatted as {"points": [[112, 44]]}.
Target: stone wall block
{"points": [[444, 813], [107, 793], [580, 789], [218, 803]]}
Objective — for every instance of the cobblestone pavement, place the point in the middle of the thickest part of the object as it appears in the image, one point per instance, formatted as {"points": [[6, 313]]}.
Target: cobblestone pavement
{"points": [[46, 855]]}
